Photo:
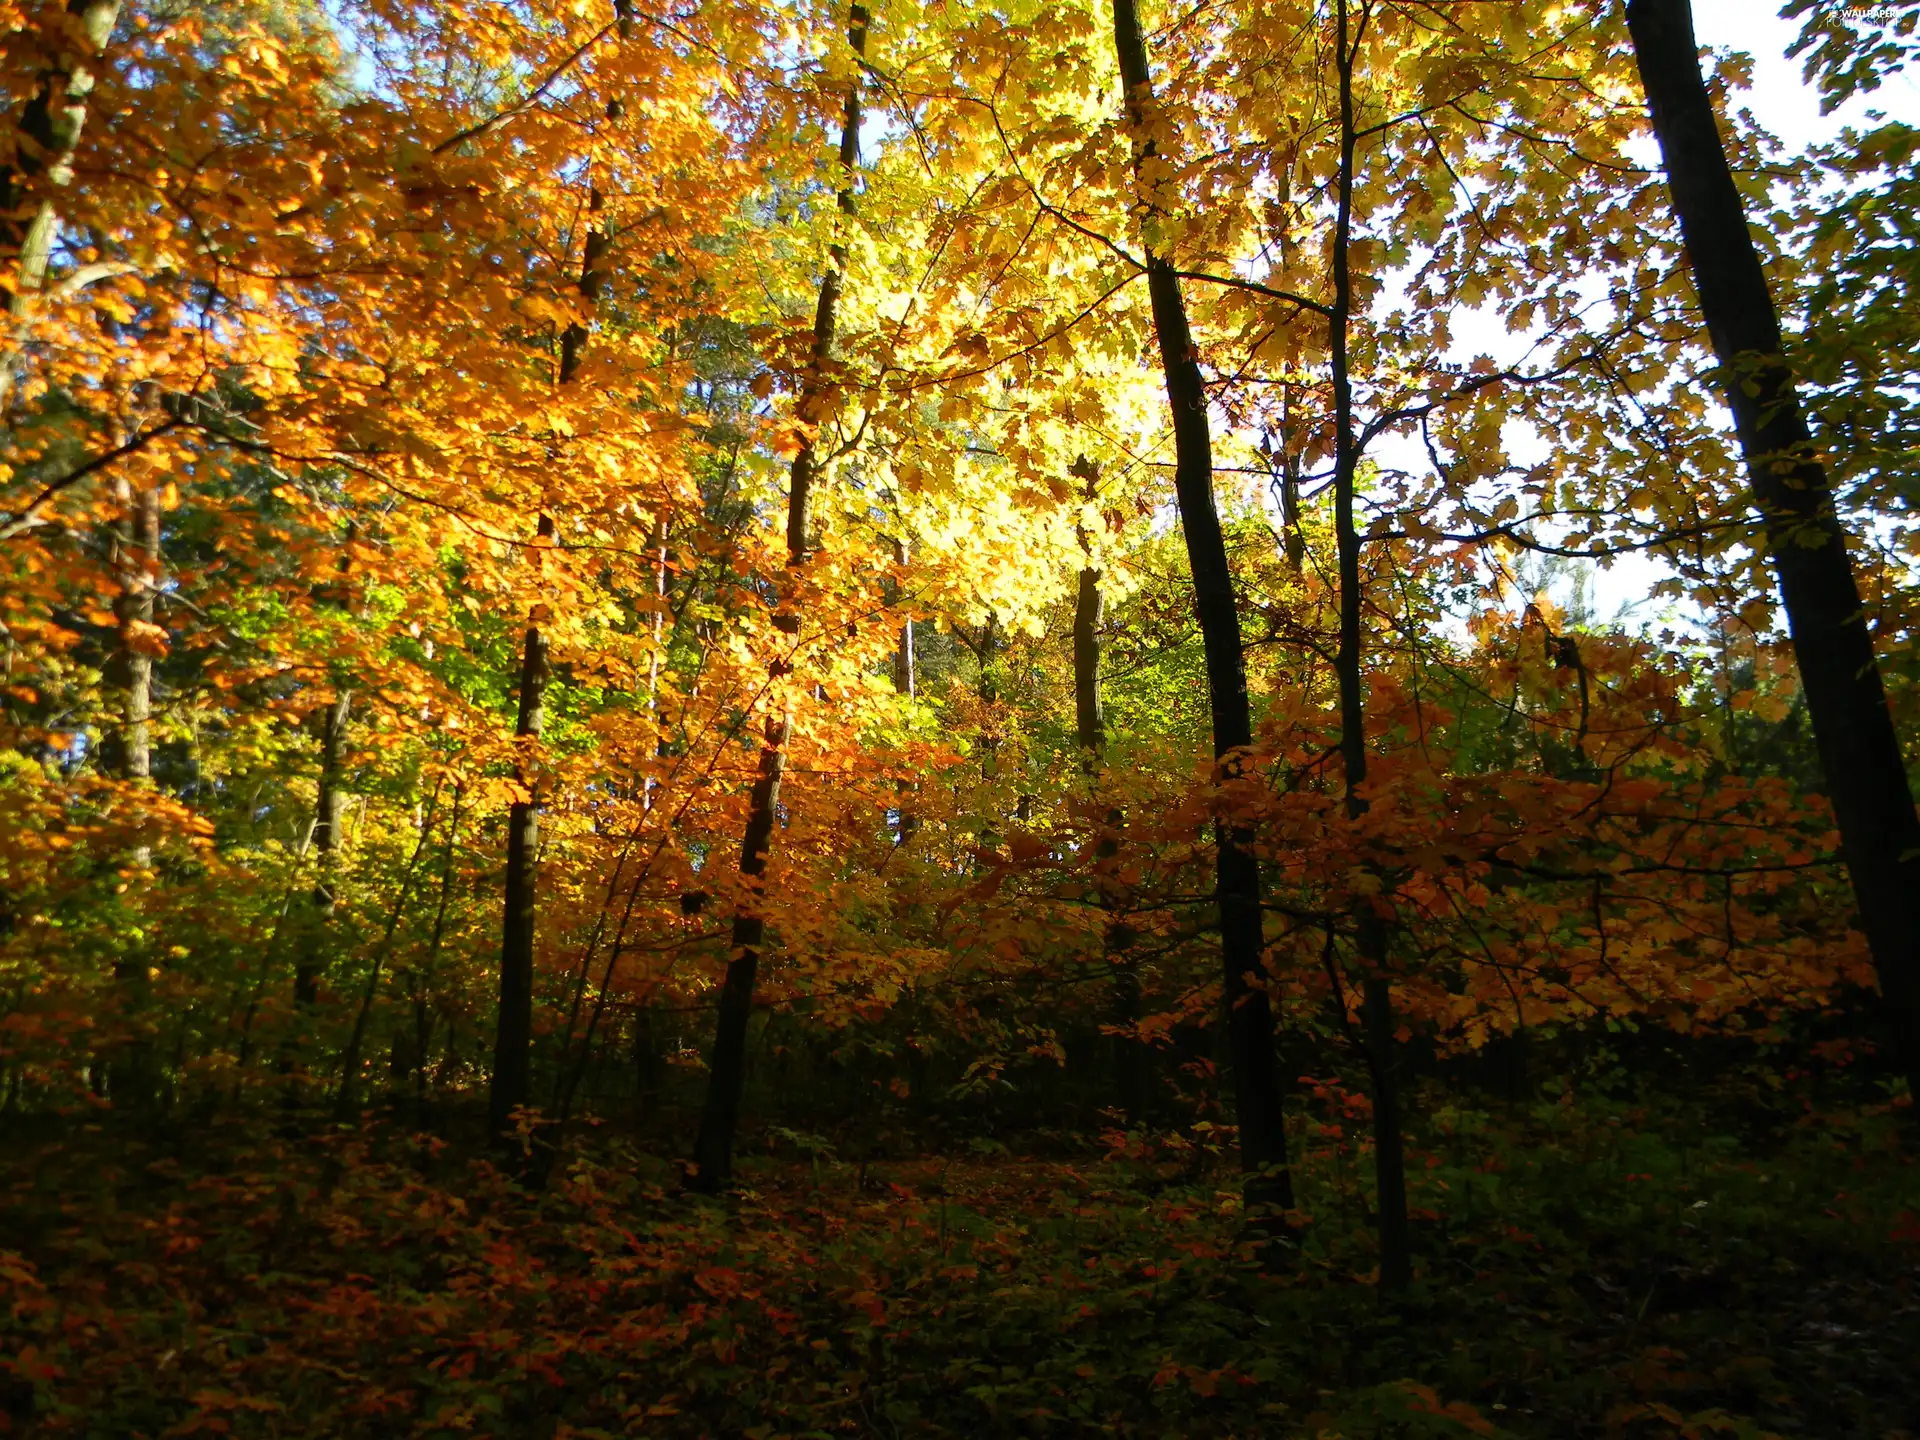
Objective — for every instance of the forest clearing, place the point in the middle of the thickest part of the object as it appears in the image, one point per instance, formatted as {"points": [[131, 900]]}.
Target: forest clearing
{"points": [[772, 720]]}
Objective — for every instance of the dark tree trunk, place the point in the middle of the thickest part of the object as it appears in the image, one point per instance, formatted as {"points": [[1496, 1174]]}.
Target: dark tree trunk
{"points": [[1250, 1024], [1859, 749], [1377, 1005], [330, 801], [512, 1086], [420, 982], [316, 931], [726, 1080], [1129, 1056], [1089, 716], [905, 682], [720, 1118], [513, 1031], [1389, 1150], [593, 279], [988, 689]]}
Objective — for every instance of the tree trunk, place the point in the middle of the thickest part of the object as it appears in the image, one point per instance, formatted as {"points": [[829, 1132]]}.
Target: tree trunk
{"points": [[50, 129], [1859, 749], [1377, 1005], [1089, 716], [326, 850], [137, 562], [512, 1086], [348, 1098], [1129, 1056], [315, 935], [593, 279], [421, 982], [329, 802], [1250, 1025], [130, 752], [719, 1118], [906, 683]]}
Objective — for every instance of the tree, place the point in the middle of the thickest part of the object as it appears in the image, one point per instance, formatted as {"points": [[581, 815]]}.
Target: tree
{"points": [[42, 164], [1859, 751], [1263, 1141], [713, 1148]]}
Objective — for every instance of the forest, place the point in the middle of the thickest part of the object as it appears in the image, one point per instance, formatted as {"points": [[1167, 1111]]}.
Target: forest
{"points": [[795, 718]]}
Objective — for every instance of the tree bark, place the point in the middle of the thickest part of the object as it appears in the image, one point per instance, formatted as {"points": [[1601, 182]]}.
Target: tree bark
{"points": [[1390, 1186], [593, 278], [136, 550], [50, 129], [720, 1117], [310, 961], [1090, 723], [1090, 729], [327, 811], [512, 1084], [1859, 750], [1250, 1025], [420, 980], [905, 683]]}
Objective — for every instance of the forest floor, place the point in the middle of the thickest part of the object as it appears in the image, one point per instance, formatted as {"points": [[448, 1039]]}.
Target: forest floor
{"points": [[1584, 1269]]}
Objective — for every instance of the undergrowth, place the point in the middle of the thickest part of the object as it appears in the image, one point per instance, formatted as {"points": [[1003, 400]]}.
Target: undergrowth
{"points": [[1587, 1268]]}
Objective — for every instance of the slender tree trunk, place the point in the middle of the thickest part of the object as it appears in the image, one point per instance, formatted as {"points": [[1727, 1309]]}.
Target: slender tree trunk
{"points": [[1859, 750], [348, 1098], [136, 550], [1377, 1004], [1250, 1023], [512, 1086], [137, 559], [1089, 715], [1129, 1056], [263, 966], [906, 683], [328, 810], [719, 1119], [1294, 541], [316, 931], [656, 656], [423, 982], [656, 622], [50, 129], [988, 690], [593, 280]]}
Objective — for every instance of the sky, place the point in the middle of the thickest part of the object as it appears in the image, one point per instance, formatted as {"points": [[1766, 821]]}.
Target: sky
{"points": [[1789, 108], [1780, 99]]}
